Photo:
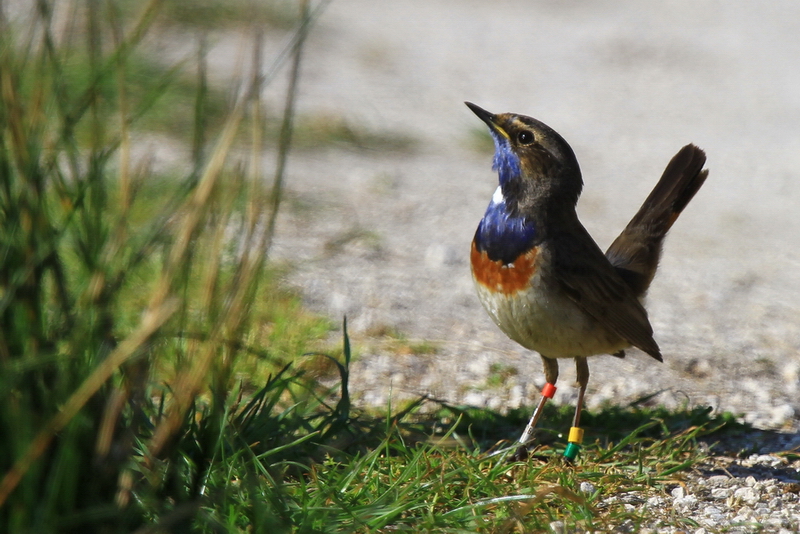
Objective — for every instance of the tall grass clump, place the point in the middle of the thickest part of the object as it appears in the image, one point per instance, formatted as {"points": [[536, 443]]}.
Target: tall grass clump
{"points": [[126, 296]]}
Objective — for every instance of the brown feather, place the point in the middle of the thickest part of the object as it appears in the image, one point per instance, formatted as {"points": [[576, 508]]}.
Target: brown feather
{"points": [[637, 250]]}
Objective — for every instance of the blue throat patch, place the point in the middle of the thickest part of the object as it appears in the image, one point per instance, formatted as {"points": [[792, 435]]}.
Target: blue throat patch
{"points": [[504, 237], [505, 162]]}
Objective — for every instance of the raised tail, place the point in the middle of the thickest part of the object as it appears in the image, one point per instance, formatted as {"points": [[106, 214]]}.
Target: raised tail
{"points": [[635, 253]]}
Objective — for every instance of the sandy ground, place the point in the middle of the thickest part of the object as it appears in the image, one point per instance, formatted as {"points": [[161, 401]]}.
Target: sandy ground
{"points": [[626, 87]]}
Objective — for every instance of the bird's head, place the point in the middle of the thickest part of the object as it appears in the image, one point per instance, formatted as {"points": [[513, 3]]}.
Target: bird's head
{"points": [[534, 163]]}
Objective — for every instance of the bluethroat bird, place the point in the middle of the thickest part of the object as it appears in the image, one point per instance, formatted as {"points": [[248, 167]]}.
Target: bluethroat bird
{"points": [[540, 275]]}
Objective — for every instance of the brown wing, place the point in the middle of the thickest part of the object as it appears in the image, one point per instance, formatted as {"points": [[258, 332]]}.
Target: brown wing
{"points": [[587, 277]]}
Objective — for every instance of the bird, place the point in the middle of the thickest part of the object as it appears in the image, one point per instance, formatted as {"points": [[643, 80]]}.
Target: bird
{"points": [[542, 278]]}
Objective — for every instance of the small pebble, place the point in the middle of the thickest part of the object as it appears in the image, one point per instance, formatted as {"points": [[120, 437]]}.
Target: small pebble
{"points": [[685, 503], [712, 510], [718, 480], [774, 523], [747, 495], [762, 510], [721, 493]]}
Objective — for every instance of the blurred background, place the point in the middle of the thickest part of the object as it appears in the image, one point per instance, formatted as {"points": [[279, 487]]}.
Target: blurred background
{"points": [[389, 175], [393, 211]]}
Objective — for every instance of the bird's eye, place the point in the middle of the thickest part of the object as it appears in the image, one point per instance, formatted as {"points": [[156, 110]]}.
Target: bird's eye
{"points": [[525, 137]]}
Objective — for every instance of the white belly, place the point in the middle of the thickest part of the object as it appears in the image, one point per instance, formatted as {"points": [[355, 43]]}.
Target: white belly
{"points": [[551, 324]]}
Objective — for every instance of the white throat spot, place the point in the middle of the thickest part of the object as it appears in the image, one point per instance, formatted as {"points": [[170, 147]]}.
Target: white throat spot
{"points": [[497, 197]]}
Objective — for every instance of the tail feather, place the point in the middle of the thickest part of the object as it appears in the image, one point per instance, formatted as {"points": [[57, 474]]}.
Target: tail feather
{"points": [[637, 250]]}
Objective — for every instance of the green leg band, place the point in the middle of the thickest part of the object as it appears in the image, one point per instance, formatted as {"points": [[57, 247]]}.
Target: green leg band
{"points": [[571, 451]]}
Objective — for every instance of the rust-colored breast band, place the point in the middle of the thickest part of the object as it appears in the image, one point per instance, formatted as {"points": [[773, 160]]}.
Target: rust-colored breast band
{"points": [[503, 278]]}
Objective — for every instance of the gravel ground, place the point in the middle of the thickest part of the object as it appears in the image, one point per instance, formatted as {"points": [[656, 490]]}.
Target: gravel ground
{"points": [[756, 494], [387, 238]]}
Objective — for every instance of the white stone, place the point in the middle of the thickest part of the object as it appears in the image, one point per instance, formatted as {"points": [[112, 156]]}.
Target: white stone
{"points": [[768, 460], [475, 398], [721, 493], [515, 396], [478, 366], [718, 480], [712, 510], [762, 510], [775, 523], [685, 503], [791, 375], [747, 495]]}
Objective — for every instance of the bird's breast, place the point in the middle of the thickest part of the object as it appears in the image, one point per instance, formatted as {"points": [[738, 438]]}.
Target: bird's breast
{"points": [[512, 268], [523, 299], [501, 277]]}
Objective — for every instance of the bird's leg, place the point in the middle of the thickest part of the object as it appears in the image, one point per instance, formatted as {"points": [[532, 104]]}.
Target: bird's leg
{"points": [[549, 389], [582, 368], [576, 432]]}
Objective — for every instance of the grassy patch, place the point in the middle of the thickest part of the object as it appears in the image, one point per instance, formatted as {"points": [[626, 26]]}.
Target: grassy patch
{"points": [[132, 305], [389, 338], [305, 461], [216, 14], [325, 130], [499, 373]]}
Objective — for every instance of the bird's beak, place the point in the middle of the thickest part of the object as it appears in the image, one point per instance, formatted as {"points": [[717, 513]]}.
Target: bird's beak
{"points": [[489, 118]]}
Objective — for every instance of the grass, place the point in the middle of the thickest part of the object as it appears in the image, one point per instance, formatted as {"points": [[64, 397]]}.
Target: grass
{"points": [[156, 375], [320, 466], [327, 130], [213, 14], [499, 373], [385, 337]]}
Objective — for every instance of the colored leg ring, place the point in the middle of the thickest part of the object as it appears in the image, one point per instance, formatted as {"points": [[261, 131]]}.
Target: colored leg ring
{"points": [[571, 451], [575, 435], [574, 446], [548, 390]]}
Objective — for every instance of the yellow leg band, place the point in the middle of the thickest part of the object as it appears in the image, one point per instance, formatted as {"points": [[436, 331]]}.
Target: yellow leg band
{"points": [[575, 435]]}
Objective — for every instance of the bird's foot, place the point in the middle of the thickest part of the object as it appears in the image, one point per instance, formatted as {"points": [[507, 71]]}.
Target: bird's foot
{"points": [[520, 455]]}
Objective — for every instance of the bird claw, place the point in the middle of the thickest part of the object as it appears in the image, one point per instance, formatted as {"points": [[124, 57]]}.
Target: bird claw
{"points": [[520, 455]]}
